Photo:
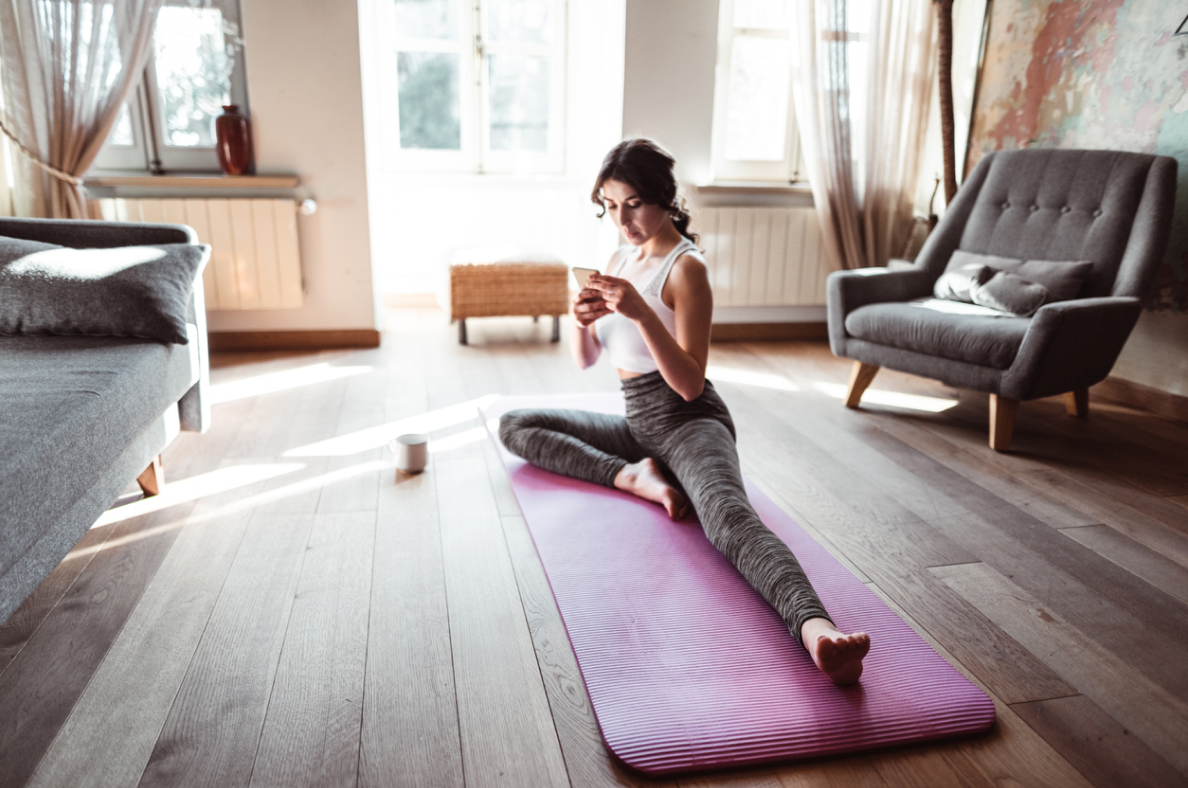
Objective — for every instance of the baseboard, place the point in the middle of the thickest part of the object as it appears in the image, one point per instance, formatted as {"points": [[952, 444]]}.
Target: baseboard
{"points": [[1136, 395], [223, 341], [768, 332]]}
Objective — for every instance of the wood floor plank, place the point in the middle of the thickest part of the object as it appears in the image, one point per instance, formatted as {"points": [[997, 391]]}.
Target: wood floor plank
{"points": [[45, 680], [508, 736], [110, 734], [1011, 753], [24, 621], [410, 712], [1161, 527], [1106, 602], [1124, 693], [1143, 562], [1097, 745], [213, 727], [1003, 485], [311, 730], [363, 407]]}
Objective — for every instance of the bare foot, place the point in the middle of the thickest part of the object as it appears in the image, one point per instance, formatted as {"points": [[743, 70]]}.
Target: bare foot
{"points": [[839, 656], [645, 479]]}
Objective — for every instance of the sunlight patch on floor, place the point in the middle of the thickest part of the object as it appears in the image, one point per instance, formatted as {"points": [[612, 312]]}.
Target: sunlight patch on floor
{"points": [[748, 377], [271, 382], [892, 399], [268, 496], [457, 440], [372, 437], [200, 486]]}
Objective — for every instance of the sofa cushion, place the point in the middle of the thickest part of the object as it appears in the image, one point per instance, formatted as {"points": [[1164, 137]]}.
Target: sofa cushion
{"points": [[69, 406], [129, 291], [935, 327]]}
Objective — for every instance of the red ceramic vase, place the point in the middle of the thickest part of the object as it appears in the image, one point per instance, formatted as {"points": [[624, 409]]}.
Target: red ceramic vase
{"points": [[233, 133]]}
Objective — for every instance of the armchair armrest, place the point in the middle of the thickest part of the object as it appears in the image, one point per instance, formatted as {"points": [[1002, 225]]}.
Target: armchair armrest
{"points": [[1070, 345], [92, 234], [848, 290]]}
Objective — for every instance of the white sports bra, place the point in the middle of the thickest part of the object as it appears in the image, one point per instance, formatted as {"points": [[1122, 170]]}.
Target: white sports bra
{"points": [[617, 335]]}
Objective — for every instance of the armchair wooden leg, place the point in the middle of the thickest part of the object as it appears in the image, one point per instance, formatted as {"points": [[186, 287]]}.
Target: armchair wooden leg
{"points": [[1002, 421], [860, 377], [152, 479], [1077, 403]]}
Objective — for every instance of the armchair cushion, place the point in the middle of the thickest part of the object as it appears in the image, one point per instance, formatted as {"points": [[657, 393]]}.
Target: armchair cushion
{"points": [[1062, 280], [134, 291], [960, 332], [1009, 293]]}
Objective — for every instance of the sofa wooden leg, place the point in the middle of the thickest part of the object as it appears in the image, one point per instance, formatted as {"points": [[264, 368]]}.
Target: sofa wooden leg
{"points": [[1002, 421], [1077, 403], [556, 329], [860, 377], [462, 331], [152, 479]]}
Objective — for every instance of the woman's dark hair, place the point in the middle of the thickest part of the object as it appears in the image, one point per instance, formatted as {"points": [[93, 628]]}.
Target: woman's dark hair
{"points": [[646, 167]]}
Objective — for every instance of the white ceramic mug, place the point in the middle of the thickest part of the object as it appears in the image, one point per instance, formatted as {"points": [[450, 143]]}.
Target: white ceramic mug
{"points": [[412, 452]]}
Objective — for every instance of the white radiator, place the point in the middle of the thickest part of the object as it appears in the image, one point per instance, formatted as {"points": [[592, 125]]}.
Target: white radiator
{"points": [[255, 262], [763, 256]]}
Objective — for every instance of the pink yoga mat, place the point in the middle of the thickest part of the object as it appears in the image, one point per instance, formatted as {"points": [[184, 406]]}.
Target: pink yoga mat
{"points": [[686, 666]]}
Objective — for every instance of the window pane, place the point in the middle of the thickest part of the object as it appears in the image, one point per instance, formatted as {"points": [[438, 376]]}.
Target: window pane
{"points": [[121, 132], [757, 118], [519, 89], [193, 74], [767, 14], [427, 19], [518, 21], [428, 100]]}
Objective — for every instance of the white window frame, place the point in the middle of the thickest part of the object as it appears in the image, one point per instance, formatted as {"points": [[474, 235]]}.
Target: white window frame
{"points": [[790, 168], [149, 150], [472, 47]]}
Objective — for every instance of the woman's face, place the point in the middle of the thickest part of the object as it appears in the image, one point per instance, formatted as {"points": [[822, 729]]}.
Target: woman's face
{"points": [[637, 220]]}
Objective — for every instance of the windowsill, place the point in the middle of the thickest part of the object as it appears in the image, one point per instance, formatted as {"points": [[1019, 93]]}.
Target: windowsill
{"points": [[754, 187], [191, 181]]}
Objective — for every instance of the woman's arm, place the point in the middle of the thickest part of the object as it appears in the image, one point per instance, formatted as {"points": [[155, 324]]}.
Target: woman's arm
{"points": [[681, 359], [588, 306]]}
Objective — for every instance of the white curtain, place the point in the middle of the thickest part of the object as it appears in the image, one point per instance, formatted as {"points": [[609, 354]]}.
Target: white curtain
{"points": [[66, 66], [862, 83]]}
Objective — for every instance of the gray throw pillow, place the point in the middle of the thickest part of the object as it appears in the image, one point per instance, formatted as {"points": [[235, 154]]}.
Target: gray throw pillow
{"points": [[1009, 293], [129, 291], [1062, 280], [958, 283]]}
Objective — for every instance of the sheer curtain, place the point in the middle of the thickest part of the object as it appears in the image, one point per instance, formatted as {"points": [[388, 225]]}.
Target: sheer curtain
{"points": [[66, 66], [862, 83]]}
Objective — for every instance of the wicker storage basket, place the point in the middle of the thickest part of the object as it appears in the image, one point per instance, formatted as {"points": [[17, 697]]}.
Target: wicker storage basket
{"points": [[507, 288]]}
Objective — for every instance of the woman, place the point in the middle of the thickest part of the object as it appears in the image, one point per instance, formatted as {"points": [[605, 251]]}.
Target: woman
{"points": [[651, 314]]}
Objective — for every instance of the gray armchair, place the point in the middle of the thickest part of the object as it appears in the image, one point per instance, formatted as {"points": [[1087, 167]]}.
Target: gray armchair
{"points": [[1108, 207]]}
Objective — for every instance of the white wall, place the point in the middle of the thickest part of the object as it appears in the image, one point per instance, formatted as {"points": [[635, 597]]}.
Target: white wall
{"points": [[306, 96], [668, 93], [1156, 354]]}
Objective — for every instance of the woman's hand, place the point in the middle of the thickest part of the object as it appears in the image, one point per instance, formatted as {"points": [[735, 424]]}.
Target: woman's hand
{"points": [[588, 306], [620, 296]]}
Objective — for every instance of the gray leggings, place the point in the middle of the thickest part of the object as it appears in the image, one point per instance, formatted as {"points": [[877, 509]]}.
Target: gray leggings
{"points": [[694, 441]]}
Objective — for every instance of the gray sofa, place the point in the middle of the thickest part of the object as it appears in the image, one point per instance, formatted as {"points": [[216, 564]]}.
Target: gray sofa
{"points": [[1110, 208], [82, 416]]}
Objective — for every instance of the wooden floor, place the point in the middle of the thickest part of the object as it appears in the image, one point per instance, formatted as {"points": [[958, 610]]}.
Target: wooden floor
{"points": [[291, 613]]}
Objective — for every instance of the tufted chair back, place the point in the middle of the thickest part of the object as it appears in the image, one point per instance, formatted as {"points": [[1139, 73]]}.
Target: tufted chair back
{"points": [[1107, 207]]}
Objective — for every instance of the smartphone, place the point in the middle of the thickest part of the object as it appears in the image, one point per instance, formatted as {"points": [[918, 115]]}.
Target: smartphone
{"points": [[582, 275]]}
